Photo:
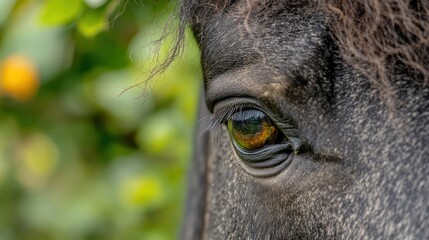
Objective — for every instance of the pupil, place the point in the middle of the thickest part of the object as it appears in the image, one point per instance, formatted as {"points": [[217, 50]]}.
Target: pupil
{"points": [[251, 129]]}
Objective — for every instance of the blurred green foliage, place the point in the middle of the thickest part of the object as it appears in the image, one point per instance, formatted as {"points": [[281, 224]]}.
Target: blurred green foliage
{"points": [[94, 154]]}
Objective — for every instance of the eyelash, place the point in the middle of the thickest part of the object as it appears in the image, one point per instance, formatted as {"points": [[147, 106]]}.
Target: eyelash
{"points": [[223, 114]]}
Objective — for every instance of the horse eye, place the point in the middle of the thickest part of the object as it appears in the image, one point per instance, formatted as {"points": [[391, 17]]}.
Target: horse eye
{"points": [[252, 129]]}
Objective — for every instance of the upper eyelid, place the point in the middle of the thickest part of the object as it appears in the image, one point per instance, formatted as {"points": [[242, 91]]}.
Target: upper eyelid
{"points": [[234, 104]]}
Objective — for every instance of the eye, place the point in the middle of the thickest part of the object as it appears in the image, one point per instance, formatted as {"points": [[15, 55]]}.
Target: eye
{"points": [[265, 143], [251, 130], [264, 147]]}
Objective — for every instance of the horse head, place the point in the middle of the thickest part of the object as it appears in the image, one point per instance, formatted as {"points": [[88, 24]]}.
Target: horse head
{"points": [[315, 123]]}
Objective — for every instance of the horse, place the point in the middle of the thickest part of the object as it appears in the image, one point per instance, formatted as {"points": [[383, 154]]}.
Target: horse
{"points": [[314, 119]]}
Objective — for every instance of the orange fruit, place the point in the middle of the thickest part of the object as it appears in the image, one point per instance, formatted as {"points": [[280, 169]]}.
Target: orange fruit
{"points": [[18, 77]]}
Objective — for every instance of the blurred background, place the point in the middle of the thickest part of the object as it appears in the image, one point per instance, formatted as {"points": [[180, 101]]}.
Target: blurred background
{"points": [[86, 150]]}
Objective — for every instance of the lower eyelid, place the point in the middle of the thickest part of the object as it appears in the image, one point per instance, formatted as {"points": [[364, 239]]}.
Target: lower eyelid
{"points": [[266, 163], [266, 152]]}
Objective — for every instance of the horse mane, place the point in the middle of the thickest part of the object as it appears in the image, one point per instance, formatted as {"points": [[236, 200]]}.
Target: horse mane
{"points": [[376, 37]]}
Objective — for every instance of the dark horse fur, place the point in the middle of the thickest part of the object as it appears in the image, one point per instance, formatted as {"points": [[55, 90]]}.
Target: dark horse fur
{"points": [[350, 77]]}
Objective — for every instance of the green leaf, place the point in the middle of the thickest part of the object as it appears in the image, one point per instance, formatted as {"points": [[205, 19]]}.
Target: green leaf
{"points": [[142, 191], [159, 133], [95, 3], [92, 23], [5, 9], [59, 12]]}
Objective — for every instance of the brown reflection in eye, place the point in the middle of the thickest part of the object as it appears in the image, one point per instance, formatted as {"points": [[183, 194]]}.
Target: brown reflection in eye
{"points": [[251, 129]]}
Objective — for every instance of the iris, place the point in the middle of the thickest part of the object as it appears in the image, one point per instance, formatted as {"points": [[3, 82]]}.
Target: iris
{"points": [[251, 129]]}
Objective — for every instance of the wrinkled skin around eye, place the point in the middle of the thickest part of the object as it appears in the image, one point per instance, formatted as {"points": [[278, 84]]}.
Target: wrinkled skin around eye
{"points": [[251, 130]]}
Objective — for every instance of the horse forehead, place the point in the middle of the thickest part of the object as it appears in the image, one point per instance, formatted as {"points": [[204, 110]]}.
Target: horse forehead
{"points": [[282, 40]]}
